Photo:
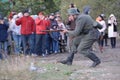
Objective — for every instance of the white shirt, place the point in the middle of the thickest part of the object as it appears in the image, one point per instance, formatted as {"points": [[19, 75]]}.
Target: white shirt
{"points": [[103, 26]]}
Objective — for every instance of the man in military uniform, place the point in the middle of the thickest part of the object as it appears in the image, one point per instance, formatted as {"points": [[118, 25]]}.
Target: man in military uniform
{"points": [[84, 36]]}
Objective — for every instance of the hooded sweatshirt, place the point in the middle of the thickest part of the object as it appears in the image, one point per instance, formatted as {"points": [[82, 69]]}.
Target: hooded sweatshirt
{"points": [[86, 9]]}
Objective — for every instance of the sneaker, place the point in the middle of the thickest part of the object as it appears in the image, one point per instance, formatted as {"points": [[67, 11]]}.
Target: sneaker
{"points": [[34, 55], [27, 56], [43, 55], [55, 52]]}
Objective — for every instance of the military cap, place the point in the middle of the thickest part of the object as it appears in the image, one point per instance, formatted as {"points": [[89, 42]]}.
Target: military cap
{"points": [[73, 11]]}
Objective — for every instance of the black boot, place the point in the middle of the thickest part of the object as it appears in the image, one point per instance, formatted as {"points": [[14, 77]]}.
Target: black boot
{"points": [[69, 60], [95, 59]]}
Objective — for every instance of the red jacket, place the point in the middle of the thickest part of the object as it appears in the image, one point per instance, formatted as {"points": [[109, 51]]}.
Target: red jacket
{"points": [[27, 25], [41, 25]]}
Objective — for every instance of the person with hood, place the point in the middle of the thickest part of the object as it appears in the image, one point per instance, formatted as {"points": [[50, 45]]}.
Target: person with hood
{"points": [[112, 30], [3, 36], [84, 36]]}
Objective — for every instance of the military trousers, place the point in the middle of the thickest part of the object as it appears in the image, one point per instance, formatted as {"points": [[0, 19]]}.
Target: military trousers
{"points": [[82, 45]]}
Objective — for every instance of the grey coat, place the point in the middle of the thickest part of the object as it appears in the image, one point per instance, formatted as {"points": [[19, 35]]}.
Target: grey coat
{"points": [[84, 27], [85, 34]]}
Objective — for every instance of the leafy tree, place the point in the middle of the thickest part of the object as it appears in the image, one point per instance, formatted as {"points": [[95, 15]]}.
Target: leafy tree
{"points": [[34, 6], [4, 8], [98, 6]]}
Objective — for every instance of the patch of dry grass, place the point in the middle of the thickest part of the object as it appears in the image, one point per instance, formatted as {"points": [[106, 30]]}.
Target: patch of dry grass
{"points": [[17, 68]]}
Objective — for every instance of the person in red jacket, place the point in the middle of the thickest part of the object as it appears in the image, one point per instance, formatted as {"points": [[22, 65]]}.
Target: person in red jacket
{"points": [[41, 24], [27, 30]]}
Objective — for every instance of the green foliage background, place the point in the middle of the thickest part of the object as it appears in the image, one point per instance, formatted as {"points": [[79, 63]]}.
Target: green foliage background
{"points": [[106, 7], [98, 6], [35, 6]]}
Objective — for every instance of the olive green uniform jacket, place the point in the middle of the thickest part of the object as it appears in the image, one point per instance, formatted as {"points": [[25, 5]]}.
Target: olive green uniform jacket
{"points": [[84, 34]]}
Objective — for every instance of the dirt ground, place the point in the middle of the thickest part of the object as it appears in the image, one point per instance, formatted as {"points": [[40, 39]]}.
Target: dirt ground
{"points": [[46, 68], [109, 69]]}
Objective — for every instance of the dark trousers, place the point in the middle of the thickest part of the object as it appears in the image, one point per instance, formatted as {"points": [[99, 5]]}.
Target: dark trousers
{"points": [[27, 43], [106, 39], [49, 45], [113, 42], [101, 42], [40, 45], [33, 43]]}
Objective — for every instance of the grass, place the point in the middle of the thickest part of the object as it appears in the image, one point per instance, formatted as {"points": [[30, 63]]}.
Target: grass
{"points": [[17, 68]]}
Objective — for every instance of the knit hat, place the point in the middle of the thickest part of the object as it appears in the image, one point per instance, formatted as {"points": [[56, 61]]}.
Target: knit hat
{"points": [[26, 11], [102, 17]]}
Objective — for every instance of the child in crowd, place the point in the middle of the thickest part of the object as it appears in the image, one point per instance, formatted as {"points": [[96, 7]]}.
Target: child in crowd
{"points": [[55, 39]]}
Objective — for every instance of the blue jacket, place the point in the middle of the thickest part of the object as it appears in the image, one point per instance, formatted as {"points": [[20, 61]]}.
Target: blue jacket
{"points": [[3, 31]]}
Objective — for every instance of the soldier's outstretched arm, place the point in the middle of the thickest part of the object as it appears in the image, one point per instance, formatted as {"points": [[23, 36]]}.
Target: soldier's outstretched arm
{"points": [[80, 23]]}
